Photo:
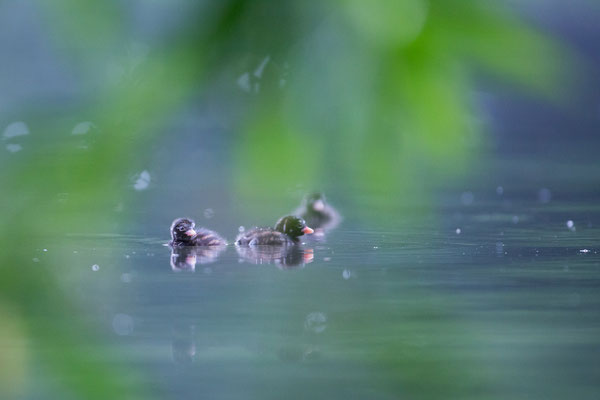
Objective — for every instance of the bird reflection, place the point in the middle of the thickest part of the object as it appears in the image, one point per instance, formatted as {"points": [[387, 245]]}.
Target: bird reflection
{"points": [[282, 256], [186, 258]]}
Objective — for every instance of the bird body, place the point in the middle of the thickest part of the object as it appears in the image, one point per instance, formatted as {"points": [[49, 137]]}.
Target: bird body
{"points": [[184, 234], [286, 232], [318, 213]]}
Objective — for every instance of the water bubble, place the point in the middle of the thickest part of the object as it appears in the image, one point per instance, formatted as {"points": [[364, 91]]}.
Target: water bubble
{"points": [[244, 82], [499, 190], [122, 324], [315, 322], [45, 250], [15, 129], [346, 274], [584, 251], [95, 267], [261, 67], [467, 198], [571, 225], [458, 231], [82, 128], [142, 181], [209, 213], [35, 259], [13, 147], [241, 229]]}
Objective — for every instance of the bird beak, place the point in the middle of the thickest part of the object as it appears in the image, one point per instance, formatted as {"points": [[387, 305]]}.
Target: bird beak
{"points": [[307, 231], [319, 205], [190, 232]]}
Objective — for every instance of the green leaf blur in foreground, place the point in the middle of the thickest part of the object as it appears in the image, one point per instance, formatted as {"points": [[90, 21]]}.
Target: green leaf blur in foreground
{"points": [[374, 96], [382, 94]]}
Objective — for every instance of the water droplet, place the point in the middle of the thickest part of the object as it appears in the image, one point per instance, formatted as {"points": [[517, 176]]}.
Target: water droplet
{"points": [[35, 259], [45, 250], [209, 213], [584, 250], [13, 147], [458, 231], [244, 82], [142, 181], [95, 267], [261, 67], [315, 322], [346, 274], [15, 129], [467, 198], [241, 229], [571, 225], [82, 128], [499, 190], [122, 324]]}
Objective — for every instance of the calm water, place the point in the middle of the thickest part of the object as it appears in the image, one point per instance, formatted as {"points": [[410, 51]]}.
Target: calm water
{"points": [[492, 294]]}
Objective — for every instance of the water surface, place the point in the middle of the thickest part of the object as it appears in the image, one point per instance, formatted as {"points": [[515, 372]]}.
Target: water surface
{"points": [[491, 294]]}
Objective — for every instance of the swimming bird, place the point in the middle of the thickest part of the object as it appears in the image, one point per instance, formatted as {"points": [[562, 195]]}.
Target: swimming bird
{"points": [[183, 234], [317, 213], [286, 232]]}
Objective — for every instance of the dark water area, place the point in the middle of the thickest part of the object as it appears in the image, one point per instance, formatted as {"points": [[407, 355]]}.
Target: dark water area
{"points": [[492, 293]]}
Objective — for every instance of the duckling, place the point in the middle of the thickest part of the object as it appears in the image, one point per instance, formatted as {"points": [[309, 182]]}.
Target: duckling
{"points": [[183, 234], [317, 213], [286, 232]]}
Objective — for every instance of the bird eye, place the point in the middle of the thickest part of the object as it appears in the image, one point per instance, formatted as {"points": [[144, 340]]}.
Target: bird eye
{"points": [[181, 228]]}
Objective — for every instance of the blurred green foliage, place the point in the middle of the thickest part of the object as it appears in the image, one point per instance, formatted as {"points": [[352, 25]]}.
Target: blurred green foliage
{"points": [[374, 96]]}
